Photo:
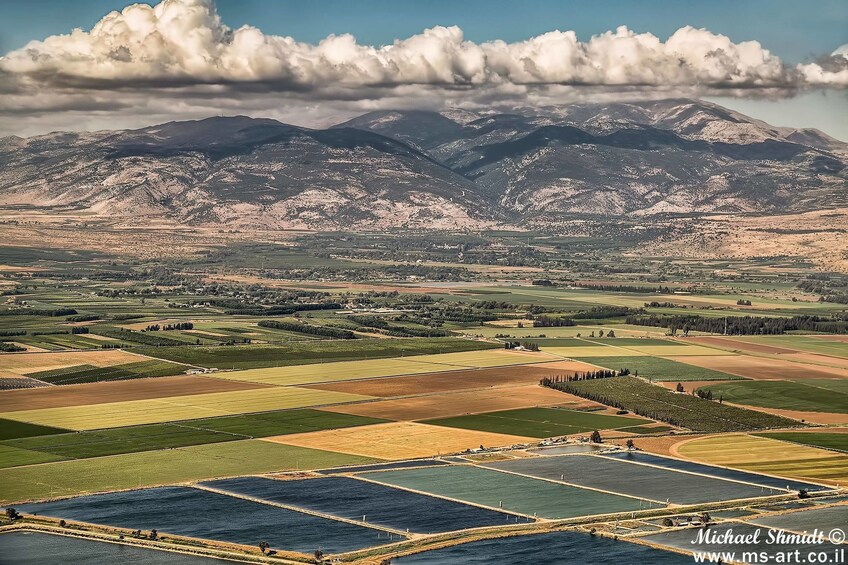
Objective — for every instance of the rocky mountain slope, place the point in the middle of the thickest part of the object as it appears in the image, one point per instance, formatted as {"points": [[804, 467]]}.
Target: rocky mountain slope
{"points": [[243, 173], [671, 156], [450, 170]]}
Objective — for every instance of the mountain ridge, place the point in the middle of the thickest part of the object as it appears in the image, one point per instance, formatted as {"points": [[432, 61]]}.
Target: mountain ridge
{"points": [[457, 169]]}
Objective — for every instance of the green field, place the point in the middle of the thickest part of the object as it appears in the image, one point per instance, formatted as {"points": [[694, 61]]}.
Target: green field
{"points": [[789, 395], [659, 369], [537, 422], [90, 374], [176, 408], [115, 441], [13, 457], [510, 492], [654, 401], [802, 343], [167, 466], [837, 441], [283, 422], [12, 429], [298, 353]]}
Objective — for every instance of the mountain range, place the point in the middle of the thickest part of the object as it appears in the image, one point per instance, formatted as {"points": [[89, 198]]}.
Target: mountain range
{"points": [[454, 169]]}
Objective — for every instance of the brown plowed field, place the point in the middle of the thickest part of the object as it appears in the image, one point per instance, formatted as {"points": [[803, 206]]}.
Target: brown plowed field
{"points": [[463, 402], [453, 380], [761, 367], [115, 391], [740, 345]]}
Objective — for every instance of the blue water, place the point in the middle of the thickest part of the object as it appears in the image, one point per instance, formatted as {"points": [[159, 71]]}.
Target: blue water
{"points": [[614, 475], [565, 449], [384, 466], [546, 549], [196, 513], [714, 471], [31, 548], [353, 499]]}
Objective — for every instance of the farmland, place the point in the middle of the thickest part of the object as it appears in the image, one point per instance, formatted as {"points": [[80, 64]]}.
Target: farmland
{"points": [[537, 422], [135, 412], [760, 454], [454, 380], [659, 369], [455, 403], [836, 441], [679, 409], [353, 370], [311, 410], [151, 468], [298, 353], [782, 394], [398, 440]]}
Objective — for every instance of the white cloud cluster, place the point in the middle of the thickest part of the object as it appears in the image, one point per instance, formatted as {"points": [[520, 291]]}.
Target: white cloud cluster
{"points": [[185, 42], [180, 50]]}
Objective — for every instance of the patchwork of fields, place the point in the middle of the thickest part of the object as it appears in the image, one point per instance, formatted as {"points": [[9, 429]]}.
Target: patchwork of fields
{"points": [[310, 441]]}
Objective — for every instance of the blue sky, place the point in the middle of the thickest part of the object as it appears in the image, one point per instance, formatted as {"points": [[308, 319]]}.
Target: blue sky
{"points": [[796, 31]]}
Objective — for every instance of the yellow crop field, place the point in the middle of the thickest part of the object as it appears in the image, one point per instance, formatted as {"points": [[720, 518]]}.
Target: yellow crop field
{"points": [[593, 351], [663, 350], [154, 410], [24, 363], [350, 370], [483, 358], [398, 440], [769, 456]]}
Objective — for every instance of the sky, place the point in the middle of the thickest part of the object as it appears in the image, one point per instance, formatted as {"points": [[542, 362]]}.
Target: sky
{"points": [[314, 62]]}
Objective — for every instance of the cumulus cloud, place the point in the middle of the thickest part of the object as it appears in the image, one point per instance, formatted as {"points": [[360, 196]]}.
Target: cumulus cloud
{"points": [[181, 50]]}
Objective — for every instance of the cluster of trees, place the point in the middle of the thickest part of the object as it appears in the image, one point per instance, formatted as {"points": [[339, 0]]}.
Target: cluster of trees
{"points": [[281, 309], [169, 327], [743, 302], [655, 304], [386, 328], [743, 325], [552, 322], [628, 288], [7, 347], [550, 382], [37, 312], [300, 327], [601, 312], [82, 318]]}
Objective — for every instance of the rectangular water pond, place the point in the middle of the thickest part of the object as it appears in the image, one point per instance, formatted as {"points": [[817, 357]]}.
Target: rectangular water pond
{"points": [[36, 548], [201, 514], [617, 476], [566, 449], [377, 504], [711, 470], [824, 519], [510, 492], [546, 549]]}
